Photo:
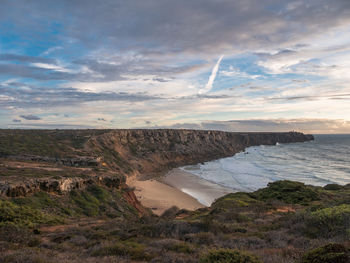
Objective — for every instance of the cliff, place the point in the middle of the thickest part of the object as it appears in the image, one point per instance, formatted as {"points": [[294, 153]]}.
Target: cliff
{"points": [[150, 152], [63, 160]]}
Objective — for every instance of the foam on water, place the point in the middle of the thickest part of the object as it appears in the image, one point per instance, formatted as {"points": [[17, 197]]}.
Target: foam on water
{"points": [[320, 162]]}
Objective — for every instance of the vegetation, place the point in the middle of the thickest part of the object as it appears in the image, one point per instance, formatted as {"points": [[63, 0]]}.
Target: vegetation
{"points": [[51, 143], [129, 249], [16, 215], [329, 253], [287, 191], [101, 221], [228, 256], [329, 222], [99, 224]]}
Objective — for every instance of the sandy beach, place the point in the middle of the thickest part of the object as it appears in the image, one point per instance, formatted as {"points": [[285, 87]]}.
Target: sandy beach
{"points": [[177, 188], [204, 191], [159, 196]]}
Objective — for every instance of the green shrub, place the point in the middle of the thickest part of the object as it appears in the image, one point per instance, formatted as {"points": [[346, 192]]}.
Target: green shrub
{"points": [[331, 253], [39, 200], [329, 222], [333, 187], [228, 256], [17, 215], [170, 213], [180, 247], [25, 255], [287, 191], [86, 202], [19, 235], [126, 249], [239, 199], [99, 192]]}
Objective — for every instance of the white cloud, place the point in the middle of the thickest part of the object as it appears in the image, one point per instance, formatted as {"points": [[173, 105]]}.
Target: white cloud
{"points": [[51, 50], [52, 67], [212, 77]]}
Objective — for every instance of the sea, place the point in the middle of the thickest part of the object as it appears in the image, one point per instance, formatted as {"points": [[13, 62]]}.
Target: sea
{"points": [[325, 160]]}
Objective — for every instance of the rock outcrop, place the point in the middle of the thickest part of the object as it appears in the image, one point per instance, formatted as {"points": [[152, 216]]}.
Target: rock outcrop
{"points": [[81, 161], [61, 186]]}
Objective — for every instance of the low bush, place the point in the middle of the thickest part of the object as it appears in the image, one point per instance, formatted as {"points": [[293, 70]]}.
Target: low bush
{"points": [[170, 213], [128, 249], [333, 187], [239, 199], [331, 253], [180, 247], [86, 203], [19, 235], [202, 238], [288, 191], [329, 222], [18, 215], [228, 256], [25, 255]]}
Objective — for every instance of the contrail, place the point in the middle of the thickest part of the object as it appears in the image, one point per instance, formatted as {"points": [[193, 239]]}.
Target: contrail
{"points": [[212, 77]]}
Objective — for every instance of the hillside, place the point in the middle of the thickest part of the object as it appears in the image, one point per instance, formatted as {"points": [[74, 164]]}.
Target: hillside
{"points": [[64, 198]]}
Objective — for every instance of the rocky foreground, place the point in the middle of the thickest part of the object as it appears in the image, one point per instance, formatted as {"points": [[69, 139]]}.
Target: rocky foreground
{"points": [[64, 198]]}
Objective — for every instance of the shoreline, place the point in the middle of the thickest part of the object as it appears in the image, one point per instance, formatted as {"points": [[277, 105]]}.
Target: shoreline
{"points": [[204, 191], [176, 188], [159, 196]]}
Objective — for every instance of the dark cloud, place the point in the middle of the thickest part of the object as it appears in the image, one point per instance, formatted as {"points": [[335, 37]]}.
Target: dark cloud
{"points": [[101, 119], [50, 126], [26, 59], [270, 125], [143, 38], [180, 25], [16, 120], [37, 96], [161, 80], [300, 80], [30, 117], [343, 96], [208, 96]]}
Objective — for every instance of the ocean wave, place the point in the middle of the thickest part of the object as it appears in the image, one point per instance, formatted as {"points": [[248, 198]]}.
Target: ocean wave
{"points": [[319, 163]]}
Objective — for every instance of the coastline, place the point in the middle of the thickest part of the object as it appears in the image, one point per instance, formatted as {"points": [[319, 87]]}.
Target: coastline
{"points": [[159, 196], [176, 188], [204, 191]]}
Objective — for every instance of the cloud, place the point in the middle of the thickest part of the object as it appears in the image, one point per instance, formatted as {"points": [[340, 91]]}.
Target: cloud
{"points": [[50, 50], [212, 77], [182, 25], [151, 60], [30, 117], [315, 126], [101, 119], [30, 96], [16, 120], [26, 59]]}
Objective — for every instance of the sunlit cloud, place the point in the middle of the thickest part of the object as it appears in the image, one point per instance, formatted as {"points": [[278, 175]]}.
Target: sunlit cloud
{"points": [[168, 62]]}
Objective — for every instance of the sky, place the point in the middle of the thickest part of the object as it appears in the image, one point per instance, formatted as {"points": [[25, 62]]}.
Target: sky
{"points": [[235, 65]]}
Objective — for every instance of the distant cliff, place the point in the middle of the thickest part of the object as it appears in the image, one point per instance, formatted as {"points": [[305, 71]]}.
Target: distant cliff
{"points": [[151, 152], [59, 161]]}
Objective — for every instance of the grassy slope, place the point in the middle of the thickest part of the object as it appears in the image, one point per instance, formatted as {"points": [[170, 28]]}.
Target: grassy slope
{"points": [[274, 224]]}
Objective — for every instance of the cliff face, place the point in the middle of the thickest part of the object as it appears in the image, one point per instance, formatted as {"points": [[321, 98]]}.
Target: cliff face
{"points": [[106, 157], [151, 152]]}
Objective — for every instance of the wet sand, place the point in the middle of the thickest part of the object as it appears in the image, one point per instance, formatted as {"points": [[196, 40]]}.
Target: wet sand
{"points": [[159, 196], [177, 188], [204, 191]]}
